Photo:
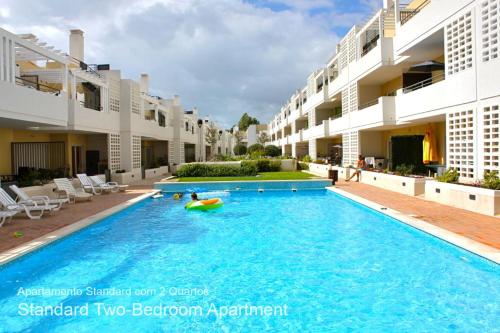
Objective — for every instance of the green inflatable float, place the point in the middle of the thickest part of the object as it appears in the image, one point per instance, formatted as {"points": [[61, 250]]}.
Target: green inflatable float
{"points": [[204, 204]]}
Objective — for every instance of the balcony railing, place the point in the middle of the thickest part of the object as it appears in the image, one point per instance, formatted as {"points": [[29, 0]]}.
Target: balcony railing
{"points": [[407, 14], [424, 83], [370, 45], [368, 104], [32, 82], [91, 106]]}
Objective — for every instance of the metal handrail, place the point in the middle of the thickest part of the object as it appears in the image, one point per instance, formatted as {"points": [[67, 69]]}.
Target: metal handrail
{"points": [[370, 45], [90, 106], [368, 104], [424, 83], [86, 67], [405, 15], [36, 85]]}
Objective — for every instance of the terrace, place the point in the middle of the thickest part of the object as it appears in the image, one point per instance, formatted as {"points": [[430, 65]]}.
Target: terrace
{"points": [[33, 82]]}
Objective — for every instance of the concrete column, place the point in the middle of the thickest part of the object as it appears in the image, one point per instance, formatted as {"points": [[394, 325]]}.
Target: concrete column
{"points": [[294, 150], [312, 149], [65, 78]]}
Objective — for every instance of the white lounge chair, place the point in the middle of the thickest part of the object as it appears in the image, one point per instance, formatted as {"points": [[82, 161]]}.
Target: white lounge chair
{"points": [[98, 180], [88, 185], [27, 206], [65, 186], [39, 199], [6, 215]]}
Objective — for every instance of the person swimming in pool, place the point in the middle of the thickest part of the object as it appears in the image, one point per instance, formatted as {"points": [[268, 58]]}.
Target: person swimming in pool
{"points": [[194, 196]]}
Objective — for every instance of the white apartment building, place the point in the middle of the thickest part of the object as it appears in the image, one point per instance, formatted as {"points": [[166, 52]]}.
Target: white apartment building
{"points": [[254, 132], [415, 67], [57, 112]]}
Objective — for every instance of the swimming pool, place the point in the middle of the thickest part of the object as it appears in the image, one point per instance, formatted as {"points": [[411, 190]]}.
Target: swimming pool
{"points": [[321, 263]]}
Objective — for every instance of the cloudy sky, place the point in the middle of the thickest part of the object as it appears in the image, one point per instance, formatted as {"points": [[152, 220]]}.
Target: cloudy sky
{"points": [[224, 56]]}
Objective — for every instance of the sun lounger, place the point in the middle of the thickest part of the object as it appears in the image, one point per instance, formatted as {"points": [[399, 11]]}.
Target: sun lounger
{"points": [[27, 206], [64, 185], [39, 199], [98, 180], [6, 215], [89, 186]]}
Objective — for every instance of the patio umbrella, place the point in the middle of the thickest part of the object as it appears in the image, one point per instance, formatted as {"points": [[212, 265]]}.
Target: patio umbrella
{"points": [[427, 66], [429, 146]]}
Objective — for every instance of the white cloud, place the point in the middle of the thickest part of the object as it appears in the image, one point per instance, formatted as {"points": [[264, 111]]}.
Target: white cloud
{"points": [[4, 12], [224, 56]]}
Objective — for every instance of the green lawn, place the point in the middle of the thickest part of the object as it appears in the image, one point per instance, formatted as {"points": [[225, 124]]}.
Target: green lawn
{"points": [[282, 175]]}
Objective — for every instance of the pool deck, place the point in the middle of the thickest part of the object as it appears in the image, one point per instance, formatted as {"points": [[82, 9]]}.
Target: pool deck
{"points": [[68, 215], [481, 228]]}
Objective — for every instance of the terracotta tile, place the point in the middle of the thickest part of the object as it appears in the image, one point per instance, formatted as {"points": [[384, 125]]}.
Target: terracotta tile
{"points": [[69, 214]]}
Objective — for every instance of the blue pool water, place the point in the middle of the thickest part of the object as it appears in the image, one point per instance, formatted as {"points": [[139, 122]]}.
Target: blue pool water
{"points": [[336, 265]]}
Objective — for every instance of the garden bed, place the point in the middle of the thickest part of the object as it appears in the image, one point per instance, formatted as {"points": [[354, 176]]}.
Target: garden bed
{"points": [[401, 184], [151, 173], [281, 175], [320, 170], [126, 177], [471, 198]]}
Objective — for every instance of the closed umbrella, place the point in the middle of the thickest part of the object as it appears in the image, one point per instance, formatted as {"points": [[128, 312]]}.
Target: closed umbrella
{"points": [[429, 146], [427, 66]]}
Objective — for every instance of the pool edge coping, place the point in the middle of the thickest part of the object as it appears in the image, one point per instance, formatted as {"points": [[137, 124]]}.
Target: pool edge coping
{"points": [[245, 181], [58, 234], [468, 244]]}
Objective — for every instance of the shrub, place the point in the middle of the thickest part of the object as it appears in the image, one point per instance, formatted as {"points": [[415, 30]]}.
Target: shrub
{"points": [[240, 149], [249, 168], [225, 158], [307, 159], [491, 180], [256, 155], [405, 170], [221, 170], [272, 151], [302, 166], [318, 161], [256, 148], [449, 176], [264, 165]]}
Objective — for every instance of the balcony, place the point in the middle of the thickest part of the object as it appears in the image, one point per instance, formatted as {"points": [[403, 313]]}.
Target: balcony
{"points": [[152, 128], [315, 100], [376, 113], [406, 14], [428, 99], [335, 86], [37, 104], [416, 25], [316, 132], [90, 118], [338, 125]]}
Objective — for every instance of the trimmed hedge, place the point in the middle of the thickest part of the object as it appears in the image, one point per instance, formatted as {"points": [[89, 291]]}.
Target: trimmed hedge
{"points": [[272, 151], [256, 147], [264, 165], [214, 170], [240, 150]]}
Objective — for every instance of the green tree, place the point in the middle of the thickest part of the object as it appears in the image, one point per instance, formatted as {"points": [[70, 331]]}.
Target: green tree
{"points": [[211, 136], [246, 121], [263, 138], [238, 136]]}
